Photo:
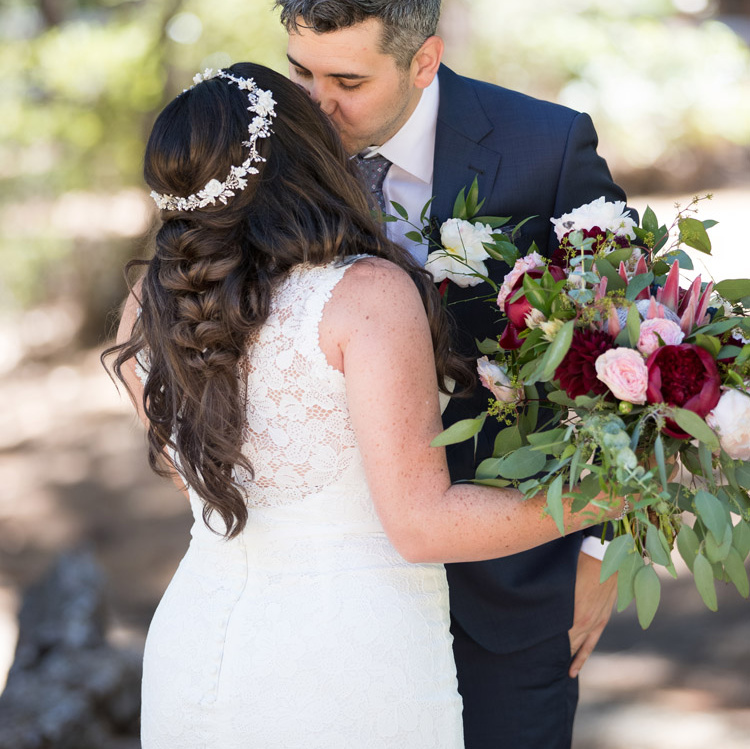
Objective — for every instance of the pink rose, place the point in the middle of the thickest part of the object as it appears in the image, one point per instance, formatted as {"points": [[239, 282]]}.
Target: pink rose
{"points": [[667, 330], [495, 379], [624, 372]]}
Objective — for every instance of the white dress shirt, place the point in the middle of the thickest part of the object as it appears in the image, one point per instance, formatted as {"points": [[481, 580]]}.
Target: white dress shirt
{"points": [[409, 180]]}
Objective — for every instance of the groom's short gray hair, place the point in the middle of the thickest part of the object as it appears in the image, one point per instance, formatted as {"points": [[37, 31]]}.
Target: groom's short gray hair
{"points": [[406, 23]]}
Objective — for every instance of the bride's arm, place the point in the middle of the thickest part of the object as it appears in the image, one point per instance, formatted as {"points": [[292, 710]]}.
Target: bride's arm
{"points": [[375, 328]]}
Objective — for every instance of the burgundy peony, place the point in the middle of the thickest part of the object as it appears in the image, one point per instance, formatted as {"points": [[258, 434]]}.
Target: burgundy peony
{"points": [[685, 376], [517, 311], [577, 371], [559, 256]]}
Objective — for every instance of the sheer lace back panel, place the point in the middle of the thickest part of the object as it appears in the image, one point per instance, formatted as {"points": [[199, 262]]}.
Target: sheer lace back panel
{"points": [[298, 435]]}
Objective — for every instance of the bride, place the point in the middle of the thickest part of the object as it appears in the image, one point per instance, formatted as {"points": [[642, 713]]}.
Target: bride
{"points": [[286, 360]]}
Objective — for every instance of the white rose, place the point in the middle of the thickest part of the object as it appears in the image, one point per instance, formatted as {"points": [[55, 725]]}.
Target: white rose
{"points": [[462, 253], [464, 239], [608, 216], [731, 420], [496, 380]]}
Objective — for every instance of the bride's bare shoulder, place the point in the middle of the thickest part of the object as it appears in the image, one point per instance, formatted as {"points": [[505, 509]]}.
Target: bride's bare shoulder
{"points": [[377, 279]]}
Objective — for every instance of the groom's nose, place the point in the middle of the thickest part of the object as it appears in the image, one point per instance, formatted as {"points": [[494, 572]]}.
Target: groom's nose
{"points": [[322, 97]]}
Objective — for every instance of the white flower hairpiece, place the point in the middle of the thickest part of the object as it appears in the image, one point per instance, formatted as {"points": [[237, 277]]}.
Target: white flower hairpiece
{"points": [[262, 106]]}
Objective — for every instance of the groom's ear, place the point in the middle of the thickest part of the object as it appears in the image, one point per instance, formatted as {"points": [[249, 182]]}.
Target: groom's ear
{"points": [[427, 61]]}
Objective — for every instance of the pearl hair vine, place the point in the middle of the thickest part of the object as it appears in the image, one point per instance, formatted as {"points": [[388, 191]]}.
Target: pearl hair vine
{"points": [[262, 106]]}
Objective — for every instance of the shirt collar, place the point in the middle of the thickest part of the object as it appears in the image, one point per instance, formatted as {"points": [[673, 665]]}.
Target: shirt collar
{"points": [[412, 148]]}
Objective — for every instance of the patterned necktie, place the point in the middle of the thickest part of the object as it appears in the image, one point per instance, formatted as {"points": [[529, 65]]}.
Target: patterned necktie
{"points": [[373, 171]]}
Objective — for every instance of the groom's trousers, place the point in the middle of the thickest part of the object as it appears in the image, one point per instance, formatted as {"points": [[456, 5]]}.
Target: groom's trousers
{"points": [[521, 700]]}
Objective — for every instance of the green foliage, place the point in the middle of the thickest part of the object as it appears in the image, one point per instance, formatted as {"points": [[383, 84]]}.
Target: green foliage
{"points": [[78, 100]]}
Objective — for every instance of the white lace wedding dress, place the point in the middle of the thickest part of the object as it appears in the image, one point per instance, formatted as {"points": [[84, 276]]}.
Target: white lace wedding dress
{"points": [[308, 630]]}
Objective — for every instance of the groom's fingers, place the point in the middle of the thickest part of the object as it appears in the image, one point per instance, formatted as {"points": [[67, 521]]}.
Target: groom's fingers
{"points": [[584, 651]]}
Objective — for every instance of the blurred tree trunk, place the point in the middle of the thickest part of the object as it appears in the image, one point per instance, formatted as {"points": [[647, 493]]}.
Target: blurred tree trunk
{"points": [[734, 7], [52, 12]]}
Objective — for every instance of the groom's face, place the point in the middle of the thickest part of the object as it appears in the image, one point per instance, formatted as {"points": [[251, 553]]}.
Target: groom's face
{"points": [[366, 95]]}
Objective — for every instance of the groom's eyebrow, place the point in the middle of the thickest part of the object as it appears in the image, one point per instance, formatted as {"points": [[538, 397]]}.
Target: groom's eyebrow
{"points": [[347, 76]]}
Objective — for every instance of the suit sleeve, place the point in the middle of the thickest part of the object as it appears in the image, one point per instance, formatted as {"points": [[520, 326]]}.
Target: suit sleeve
{"points": [[584, 174]]}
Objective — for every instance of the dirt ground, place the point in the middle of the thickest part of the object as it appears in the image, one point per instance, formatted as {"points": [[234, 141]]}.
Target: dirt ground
{"points": [[73, 472]]}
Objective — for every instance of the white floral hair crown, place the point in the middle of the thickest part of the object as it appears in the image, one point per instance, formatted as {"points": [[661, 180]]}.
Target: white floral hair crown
{"points": [[262, 106]]}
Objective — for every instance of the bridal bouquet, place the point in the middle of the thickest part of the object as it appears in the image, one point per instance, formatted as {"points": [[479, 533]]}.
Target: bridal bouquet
{"points": [[644, 387]]}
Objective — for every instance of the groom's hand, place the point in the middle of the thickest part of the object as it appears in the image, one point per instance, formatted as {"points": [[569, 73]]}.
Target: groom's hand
{"points": [[593, 608]]}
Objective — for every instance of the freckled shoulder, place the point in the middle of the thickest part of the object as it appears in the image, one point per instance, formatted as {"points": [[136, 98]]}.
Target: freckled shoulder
{"points": [[378, 281]]}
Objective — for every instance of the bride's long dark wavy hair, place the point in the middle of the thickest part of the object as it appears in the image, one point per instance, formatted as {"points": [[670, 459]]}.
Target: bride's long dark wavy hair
{"points": [[209, 283]]}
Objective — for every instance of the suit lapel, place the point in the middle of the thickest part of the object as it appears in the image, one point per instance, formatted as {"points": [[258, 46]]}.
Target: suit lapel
{"points": [[459, 155]]}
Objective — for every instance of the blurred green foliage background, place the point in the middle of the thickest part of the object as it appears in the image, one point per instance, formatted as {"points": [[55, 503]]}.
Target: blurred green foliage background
{"points": [[666, 81]]}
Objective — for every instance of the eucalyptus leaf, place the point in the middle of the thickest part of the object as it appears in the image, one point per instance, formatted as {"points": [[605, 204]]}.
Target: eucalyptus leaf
{"points": [[659, 455], [741, 538], [560, 397], [414, 236], [735, 569], [460, 431], [555, 505], [633, 325], [716, 551], [691, 423], [712, 513], [647, 588], [688, 545], [705, 456], [614, 280], [715, 328], [733, 289], [616, 256], [521, 463], [742, 474], [488, 469], [507, 440], [616, 552], [686, 262], [497, 483], [547, 441], [729, 352], [710, 343], [704, 581], [488, 346], [638, 284], [629, 567], [575, 465], [656, 546]]}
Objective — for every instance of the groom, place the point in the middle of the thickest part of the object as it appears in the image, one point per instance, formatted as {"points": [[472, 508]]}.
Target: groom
{"points": [[523, 625]]}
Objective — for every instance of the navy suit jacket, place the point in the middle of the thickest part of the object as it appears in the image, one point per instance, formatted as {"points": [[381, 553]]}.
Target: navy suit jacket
{"points": [[532, 158]]}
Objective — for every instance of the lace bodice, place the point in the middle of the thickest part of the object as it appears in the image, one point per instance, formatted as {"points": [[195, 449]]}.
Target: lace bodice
{"points": [[297, 436]]}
